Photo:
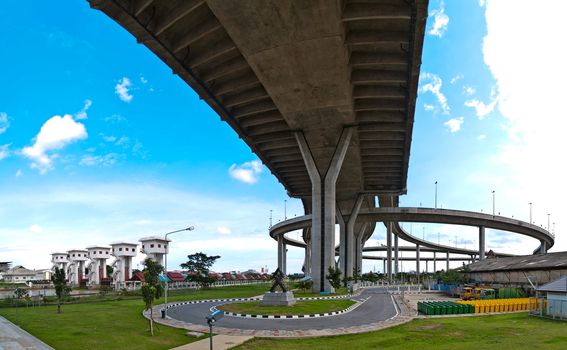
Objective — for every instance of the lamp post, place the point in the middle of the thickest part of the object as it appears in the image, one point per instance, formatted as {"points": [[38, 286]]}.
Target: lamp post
{"points": [[190, 228], [530, 212], [493, 203], [548, 215], [285, 209], [435, 194]]}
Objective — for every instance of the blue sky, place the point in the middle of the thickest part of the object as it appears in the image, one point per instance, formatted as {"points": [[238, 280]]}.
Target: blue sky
{"points": [[100, 142]]}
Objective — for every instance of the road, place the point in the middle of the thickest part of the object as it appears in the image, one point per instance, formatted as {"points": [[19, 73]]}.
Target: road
{"points": [[377, 305]]}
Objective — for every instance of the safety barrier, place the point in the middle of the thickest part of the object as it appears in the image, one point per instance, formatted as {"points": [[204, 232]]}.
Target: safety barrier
{"points": [[503, 305]]}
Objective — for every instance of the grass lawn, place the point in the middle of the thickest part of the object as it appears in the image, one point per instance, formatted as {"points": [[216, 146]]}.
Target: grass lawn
{"points": [[500, 332], [302, 307], [113, 324]]}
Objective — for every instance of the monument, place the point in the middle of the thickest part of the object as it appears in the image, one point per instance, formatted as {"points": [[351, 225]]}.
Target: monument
{"points": [[273, 298]]}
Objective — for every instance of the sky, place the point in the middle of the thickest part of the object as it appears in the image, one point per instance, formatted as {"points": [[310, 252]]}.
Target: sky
{"points": [[100, 142]]}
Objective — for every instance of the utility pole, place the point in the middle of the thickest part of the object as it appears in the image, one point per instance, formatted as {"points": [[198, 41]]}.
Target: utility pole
{"points": [[493, 203], [270, 218], [285, 209], [435, 194], [548, 215], [530, 212]]}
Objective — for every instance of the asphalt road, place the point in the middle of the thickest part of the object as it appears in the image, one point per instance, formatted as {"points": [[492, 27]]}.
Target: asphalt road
{"points": [[377, 306]]}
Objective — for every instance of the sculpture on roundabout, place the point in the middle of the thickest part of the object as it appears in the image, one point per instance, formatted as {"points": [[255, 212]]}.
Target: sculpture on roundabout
{"points": [[273, 298]]}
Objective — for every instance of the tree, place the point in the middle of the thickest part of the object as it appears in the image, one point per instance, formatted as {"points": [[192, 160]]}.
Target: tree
{"points": [[199, 264], [61, 288], [334, 277], [152, 287], [109, 270]]}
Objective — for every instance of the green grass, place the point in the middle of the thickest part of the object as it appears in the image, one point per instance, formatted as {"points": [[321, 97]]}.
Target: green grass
{"points": [[302, 307], [513, 331], [113, 324]]}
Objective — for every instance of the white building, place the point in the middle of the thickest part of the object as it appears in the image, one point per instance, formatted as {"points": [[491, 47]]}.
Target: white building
{"points": [[122, 265], [76, 266], [97, 264], [59, 260], [19, 274], [155, 248]]}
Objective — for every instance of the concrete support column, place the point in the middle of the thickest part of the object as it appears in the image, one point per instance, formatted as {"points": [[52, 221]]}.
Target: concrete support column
{"points": [[543, 248], [281, 248], [349, 241], [447, 270], [426, 266], [396, 256], [358, 245], [389, 250], [417, 267], [481, 243], [323, 208], [342, 243], [307, 259], [434, 262], [384, 266]]}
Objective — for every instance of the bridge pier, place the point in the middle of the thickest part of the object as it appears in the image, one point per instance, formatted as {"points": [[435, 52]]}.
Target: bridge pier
{"points": [[389, 249], [417, 267], [447, 262], [481, 243], [396, 260], [434, 262], [282, 255], [307, 259], [347, 249], [543, 248], [358, 245], [323, 208]]}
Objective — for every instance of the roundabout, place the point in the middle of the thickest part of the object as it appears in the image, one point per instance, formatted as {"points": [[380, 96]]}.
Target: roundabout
{"points": [[374, 308]]}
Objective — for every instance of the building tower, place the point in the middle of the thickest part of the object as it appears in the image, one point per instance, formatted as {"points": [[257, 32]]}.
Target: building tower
{"points": [[155, 248], [123, 252], [97, 265], [76, 266], [59, 260]]}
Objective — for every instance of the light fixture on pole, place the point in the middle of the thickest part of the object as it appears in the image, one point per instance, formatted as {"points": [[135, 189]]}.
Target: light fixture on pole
{"points": [[190, 228], [530, 212], [493, 203], [435, 194], [548, 215]]}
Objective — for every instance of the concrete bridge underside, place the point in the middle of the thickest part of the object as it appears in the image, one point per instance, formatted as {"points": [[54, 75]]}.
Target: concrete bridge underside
{"points": [[322, 91]]}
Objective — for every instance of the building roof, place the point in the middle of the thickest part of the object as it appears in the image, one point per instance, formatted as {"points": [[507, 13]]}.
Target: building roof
{"points": [[526, 262], [19, 270], [138, 276], [175, 276], [98, 247], [123, 243], [559, 285], [154, 238]]}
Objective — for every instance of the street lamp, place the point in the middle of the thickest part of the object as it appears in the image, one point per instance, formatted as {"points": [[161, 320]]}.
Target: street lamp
{"points": [[190, 228], [548, 215], [493, 202], [435, 194], [530, 203], [285, 209]]}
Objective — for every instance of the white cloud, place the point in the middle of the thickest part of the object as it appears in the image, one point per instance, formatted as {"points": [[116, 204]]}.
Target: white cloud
{"points": [[456, 78], [56, 133], [428, 107], [247, 172], [122, 89], [36, 228], [469, 90], [223, 230], [4, 152], [108, 138], [19, 173], [82, 114], [531, 86], [454, 124], [481, 137], [143, 80], [102, 160], [432, 83], [4, 122], [481, 3], [482, 109], [441, 21]]}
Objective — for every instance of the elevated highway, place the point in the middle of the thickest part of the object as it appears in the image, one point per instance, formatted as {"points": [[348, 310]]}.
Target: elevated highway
{"points": [[322, 91]]}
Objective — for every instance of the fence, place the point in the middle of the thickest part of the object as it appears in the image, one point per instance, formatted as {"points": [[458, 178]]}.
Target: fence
{"points": [[555, 309]]}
